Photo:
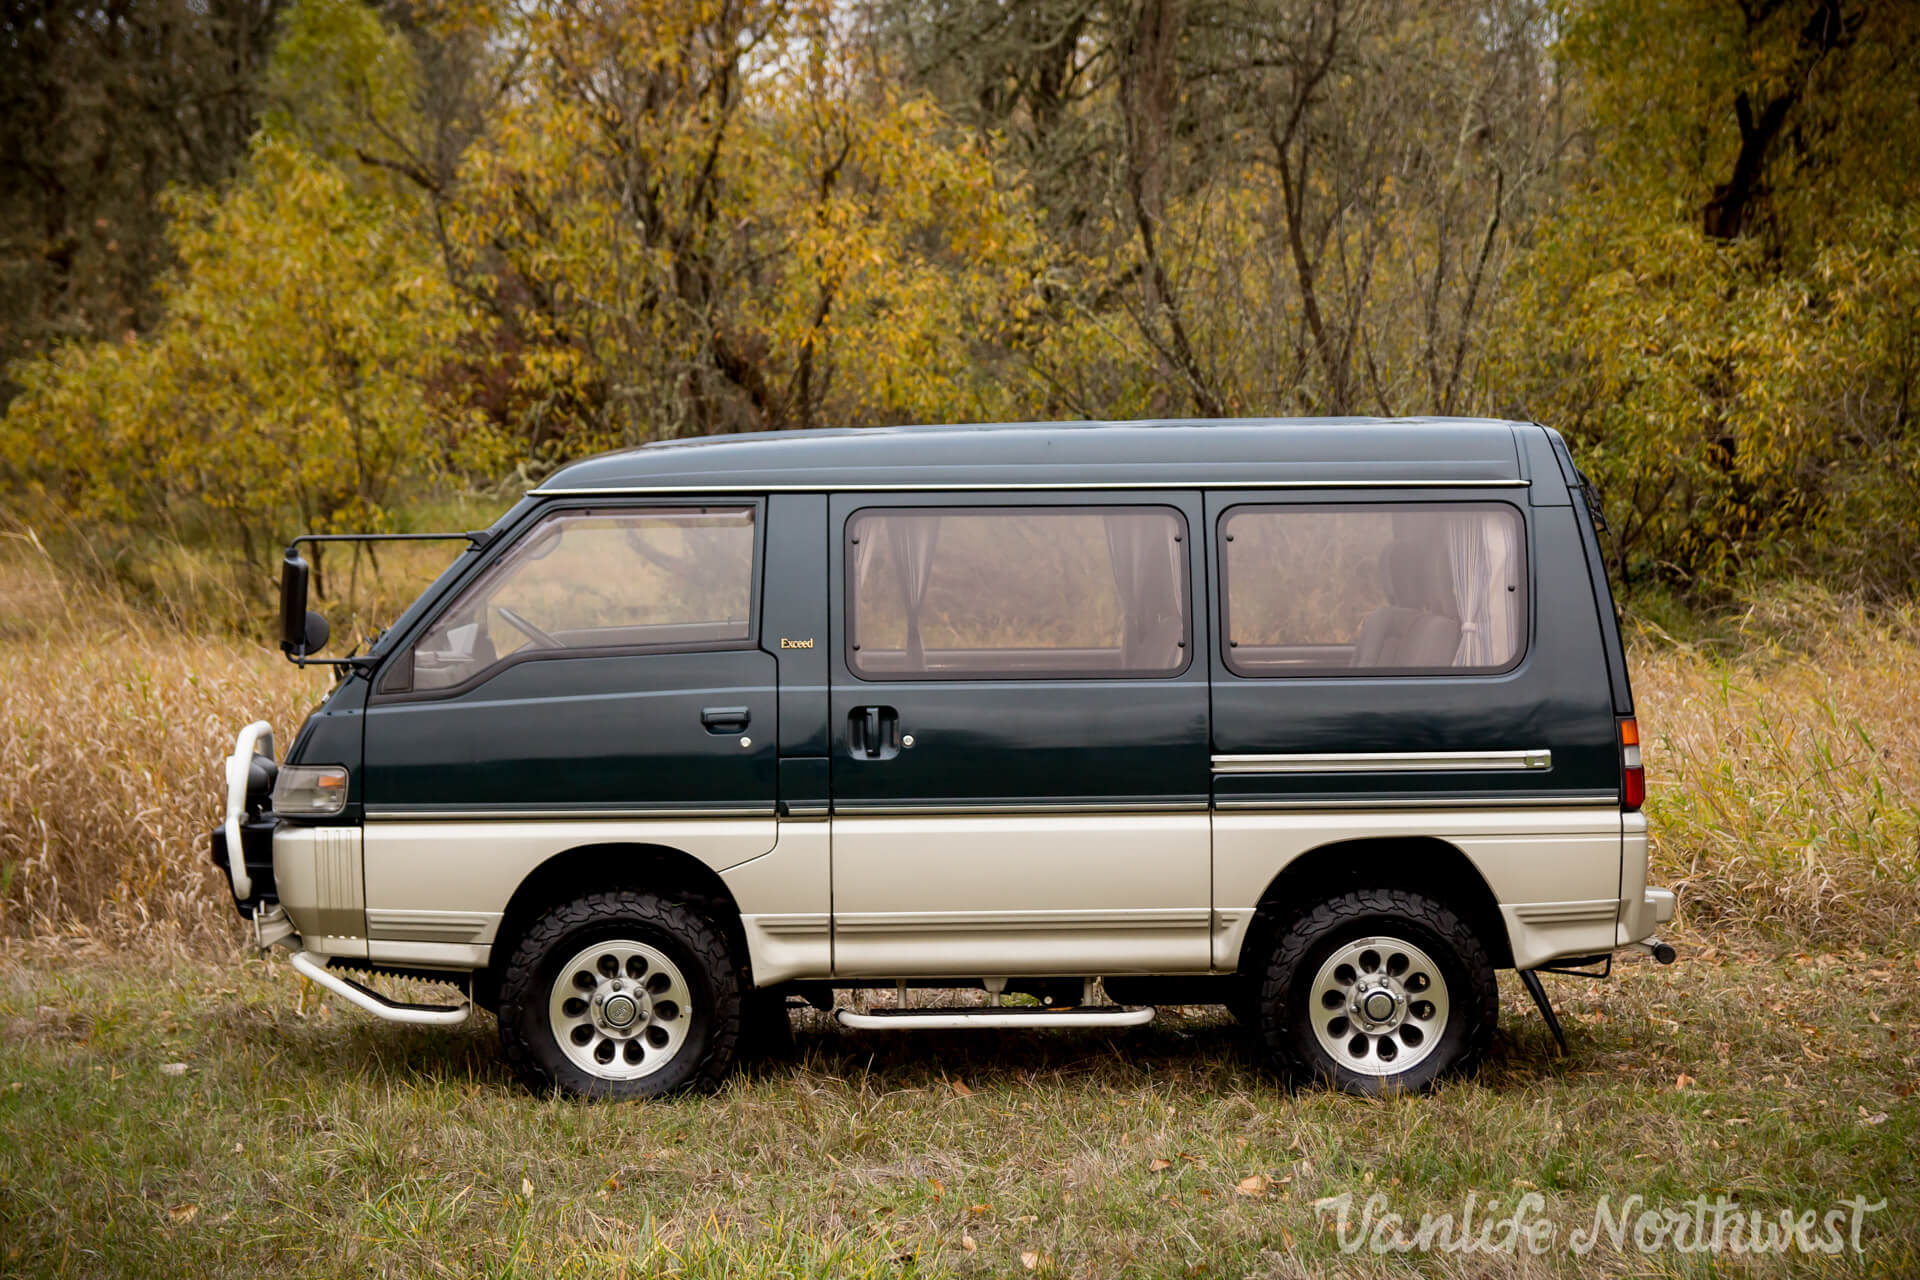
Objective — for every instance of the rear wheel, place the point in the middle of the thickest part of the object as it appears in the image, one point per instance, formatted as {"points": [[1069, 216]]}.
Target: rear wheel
{"points": [[1377, 991], [621, 994]]}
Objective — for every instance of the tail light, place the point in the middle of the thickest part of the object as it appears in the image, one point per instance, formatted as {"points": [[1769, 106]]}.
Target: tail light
{"points": [[1633, 791]]}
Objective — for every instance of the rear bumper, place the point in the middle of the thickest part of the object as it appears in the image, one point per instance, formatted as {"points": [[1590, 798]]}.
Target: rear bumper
{"points": [[1639, 918]]}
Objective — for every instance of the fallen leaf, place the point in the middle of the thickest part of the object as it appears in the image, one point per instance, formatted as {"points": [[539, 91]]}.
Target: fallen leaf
{"points": [[966, 1242], [173, 1068], [526, 1185], [1253, 1185], [184, 1212], [1156, 1164], [1683, 1080], [977, 1209], [936, 1186], [611, 1184], [1033, 1261], [962, 1089], [1878, 1117]]}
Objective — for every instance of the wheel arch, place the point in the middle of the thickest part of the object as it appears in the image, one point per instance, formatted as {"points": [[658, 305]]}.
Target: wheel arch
{"points": [[1424, 864], [654, 868]]}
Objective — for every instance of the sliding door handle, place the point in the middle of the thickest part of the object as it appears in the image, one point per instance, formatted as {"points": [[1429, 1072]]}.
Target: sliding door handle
{"points": [[873, 733], [724, 719]]}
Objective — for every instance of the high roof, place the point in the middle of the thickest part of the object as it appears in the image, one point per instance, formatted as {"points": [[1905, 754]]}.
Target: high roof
{"points": [[1299, 452]]}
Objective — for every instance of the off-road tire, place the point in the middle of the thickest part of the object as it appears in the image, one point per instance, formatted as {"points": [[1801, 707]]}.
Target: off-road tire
{"points": [[680, 931], [1302, 944]]}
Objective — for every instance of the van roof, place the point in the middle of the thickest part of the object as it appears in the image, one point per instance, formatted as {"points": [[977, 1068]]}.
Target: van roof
{"points": [[1160, 453]]}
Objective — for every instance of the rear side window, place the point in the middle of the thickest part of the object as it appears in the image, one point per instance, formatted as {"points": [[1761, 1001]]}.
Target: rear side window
{"points": [[669, 577], [1010, 592], [1416, 588]]}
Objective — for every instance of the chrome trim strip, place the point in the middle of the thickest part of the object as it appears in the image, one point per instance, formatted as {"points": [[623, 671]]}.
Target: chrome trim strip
{"points": [[1583, 800], [555, 815], [1386, 762], [859, 809], [1028, 486]]}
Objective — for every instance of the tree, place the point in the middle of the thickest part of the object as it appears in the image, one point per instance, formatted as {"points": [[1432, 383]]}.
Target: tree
{"points": [[103, 107], [283, 391], [1722, 311]]}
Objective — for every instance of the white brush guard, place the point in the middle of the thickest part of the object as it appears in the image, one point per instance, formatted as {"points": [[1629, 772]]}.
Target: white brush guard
{"points": [[271, 927]]}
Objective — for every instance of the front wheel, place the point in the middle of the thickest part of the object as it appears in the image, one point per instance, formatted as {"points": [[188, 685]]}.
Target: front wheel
{"points": [[621, 994], [1378, 991]]}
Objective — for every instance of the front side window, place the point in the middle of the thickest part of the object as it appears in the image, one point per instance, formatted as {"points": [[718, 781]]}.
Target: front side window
{"points": [[1413, 588], [1010, 592], [668, 577]]}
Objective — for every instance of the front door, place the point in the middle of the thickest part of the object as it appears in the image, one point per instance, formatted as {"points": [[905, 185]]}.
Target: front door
{"points": [[1019, 724], [604, 665]]}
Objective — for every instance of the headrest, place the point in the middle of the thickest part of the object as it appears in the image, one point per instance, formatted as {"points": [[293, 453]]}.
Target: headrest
{"points": [[1404, 571], [1419, 576]]}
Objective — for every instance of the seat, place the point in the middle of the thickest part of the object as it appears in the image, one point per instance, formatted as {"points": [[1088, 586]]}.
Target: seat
{"points": [[1412, 630]]}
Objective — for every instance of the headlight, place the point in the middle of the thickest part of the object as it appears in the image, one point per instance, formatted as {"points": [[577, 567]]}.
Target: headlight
{"points": [[310, 791]]}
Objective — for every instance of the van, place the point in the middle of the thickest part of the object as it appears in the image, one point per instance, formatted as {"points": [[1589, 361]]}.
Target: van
{"points": [[1324, 721]]}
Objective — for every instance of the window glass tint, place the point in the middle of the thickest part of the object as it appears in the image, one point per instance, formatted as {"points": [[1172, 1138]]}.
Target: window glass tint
{"points": [[1413, 588], [592, 579], [1013, 591]]}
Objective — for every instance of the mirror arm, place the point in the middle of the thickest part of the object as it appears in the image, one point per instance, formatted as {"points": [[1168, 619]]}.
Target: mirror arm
{"points": [[478, 538], [296, 649]]}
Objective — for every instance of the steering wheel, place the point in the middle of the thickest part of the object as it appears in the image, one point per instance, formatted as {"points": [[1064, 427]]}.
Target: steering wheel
{"points": [[540, 638]]}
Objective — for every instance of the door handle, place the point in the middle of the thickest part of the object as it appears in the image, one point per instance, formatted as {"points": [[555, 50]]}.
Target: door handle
{"points": [[873, 733], [724, 719]]}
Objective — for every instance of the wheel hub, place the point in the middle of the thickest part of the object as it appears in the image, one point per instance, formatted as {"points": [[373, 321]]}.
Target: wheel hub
{"points": [[620, 1011], [1380, 1006]]}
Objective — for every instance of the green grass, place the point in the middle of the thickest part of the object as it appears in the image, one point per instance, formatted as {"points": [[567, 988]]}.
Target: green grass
{"points": [[310, 1138]]}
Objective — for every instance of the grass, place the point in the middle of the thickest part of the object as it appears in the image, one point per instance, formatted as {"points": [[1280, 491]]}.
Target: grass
{"points": [[1775, 1064], [315, 1140]]}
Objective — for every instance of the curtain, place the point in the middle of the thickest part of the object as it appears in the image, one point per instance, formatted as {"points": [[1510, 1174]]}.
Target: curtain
{"points": [[1146, 573], [1481, 552], [913, 542]]}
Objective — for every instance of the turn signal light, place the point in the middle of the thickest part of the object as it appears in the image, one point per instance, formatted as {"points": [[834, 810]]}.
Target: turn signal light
{"points": [[1633, 790]]}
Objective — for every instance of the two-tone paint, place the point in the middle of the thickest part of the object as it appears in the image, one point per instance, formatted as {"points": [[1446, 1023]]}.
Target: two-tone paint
{"points": [[1033, 827]]}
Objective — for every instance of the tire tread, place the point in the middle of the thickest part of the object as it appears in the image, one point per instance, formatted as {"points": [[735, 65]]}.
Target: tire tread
{"points": [[677, 918]]}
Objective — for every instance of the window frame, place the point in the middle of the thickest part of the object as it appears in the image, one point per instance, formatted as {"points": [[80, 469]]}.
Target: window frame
{"points": [[848, 603], [1223, 607], [508, 543]]}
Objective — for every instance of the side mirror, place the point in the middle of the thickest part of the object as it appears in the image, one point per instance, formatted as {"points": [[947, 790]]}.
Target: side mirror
{"points": [[301, 630]]}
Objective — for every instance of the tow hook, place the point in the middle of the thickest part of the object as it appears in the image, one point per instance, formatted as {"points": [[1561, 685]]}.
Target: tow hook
{"points": [[1660, 951]]}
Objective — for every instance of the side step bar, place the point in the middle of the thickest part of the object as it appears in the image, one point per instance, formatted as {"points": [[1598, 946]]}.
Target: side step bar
{"points": [[418, 1015], [968, 1019]]}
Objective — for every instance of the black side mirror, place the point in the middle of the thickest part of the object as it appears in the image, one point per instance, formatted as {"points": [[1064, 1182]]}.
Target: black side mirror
{"points": [[301, 630]]}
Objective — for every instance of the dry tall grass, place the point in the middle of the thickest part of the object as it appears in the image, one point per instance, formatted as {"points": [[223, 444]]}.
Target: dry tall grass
{"points": [[1784, 768], [112, 728]]}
